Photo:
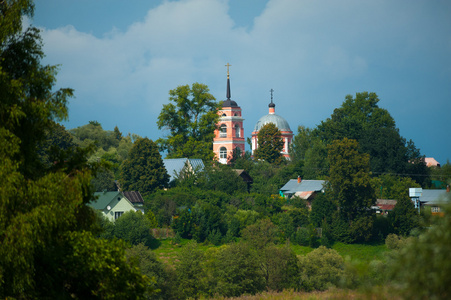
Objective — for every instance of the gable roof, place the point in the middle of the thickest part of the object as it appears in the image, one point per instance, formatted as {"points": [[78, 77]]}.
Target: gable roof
{"points": [[434, 197], [134, 197], [244, 175], [293, 187], [175, 165], [104, 198]]}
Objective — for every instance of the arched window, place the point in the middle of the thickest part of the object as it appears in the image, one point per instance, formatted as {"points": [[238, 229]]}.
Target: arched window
{"points": [[223, 152], [235, 115], [237, 130], [223, 131], [224, 115]]}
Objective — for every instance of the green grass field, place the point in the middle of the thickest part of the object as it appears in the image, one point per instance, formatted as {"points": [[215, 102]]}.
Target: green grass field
{"points": [[167, 252]]}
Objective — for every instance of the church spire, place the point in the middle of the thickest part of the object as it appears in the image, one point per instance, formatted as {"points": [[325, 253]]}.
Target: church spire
{"points": [[272, 106], [228, 82]]}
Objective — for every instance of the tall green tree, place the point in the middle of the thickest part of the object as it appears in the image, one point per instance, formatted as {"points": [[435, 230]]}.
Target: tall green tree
{"points": [[191, 121], [270, 144], [360, 118], [349, 179], [144, 170], [48, 247]]}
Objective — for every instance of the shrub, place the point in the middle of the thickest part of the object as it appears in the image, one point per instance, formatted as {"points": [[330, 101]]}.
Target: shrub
{"points": [[321, 269], [425, 259], [134, 228], [396, 242]]}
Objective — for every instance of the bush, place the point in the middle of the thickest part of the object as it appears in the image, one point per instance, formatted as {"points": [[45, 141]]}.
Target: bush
{"points": [[425, 259], [321, 269], [396, 242], [134, 228], [302, 237]]}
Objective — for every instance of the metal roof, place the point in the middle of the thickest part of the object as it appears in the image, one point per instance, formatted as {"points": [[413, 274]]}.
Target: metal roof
{"points": [[292, 186], [104, 199], [431, 197], [175, 165], [277, 120]]}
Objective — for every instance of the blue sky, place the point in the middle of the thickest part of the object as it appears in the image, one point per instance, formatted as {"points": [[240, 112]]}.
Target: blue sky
{"points": [[123, 57]]}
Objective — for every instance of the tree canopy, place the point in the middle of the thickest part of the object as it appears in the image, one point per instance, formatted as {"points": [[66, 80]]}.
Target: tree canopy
{"points": [[270, 144], [360, 118], [191, 120], [47, 241], [144, 170]]}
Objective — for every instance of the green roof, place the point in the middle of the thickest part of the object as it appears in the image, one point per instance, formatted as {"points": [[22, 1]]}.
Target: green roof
{"points": [[104, 198]]}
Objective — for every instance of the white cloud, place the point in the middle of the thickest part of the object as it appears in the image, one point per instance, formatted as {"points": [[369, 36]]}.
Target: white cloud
{"points": [[310, 52]]}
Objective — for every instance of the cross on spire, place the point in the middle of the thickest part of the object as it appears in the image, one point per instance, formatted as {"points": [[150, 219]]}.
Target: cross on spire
{"points": [[228, 65], [271, 91]]}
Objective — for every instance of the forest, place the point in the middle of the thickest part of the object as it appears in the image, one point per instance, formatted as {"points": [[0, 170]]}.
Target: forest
{"points": [[227, 238]]}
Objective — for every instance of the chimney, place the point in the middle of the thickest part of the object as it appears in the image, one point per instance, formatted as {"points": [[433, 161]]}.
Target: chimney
{"points": [[447, 188], [299, 181]]}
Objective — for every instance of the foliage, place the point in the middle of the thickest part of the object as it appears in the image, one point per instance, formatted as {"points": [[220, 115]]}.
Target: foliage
{"points": [[426, 259], [323, 208], [392, 187], [404, 217], [160, 286], [134, 228], [191, 120], [235, 271], [361, 119], [144, 170], [58, 141], [396, 242], [47, 241], [221, 178], [104, 181], [270, 144], [261, 234], [316, 164], [190, 272], [321, 269], [350, 186]]}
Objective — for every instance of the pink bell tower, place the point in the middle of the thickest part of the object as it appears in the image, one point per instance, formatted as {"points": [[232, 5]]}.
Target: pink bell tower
{"points": [[229, 135]]}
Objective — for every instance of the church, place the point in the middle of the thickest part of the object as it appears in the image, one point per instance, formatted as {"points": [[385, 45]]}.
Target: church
{"points": [[229, 135]]}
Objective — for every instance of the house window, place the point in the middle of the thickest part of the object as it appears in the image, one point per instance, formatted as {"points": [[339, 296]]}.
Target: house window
{"points": [[435, 209], [223, 131], [223, 152], [237, 130], [117, 214]]}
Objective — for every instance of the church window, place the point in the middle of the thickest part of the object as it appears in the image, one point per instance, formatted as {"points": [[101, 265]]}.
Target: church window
{"points": [[223, 152], [224, 115], [237, 130], [223, 131]]}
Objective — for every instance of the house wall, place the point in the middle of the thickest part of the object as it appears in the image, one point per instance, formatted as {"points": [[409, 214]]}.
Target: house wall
{"points": [[121, 205]]}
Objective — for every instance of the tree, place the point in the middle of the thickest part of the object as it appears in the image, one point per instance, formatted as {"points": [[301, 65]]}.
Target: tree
{"points": [[191, 120], [321, 269], [361, 119], [350, 186], [47, 241], [144, 170], [425, 259], [133, 227], [236, 271], [404, 217], [190, 271], [162, 283], [270, 144]]}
